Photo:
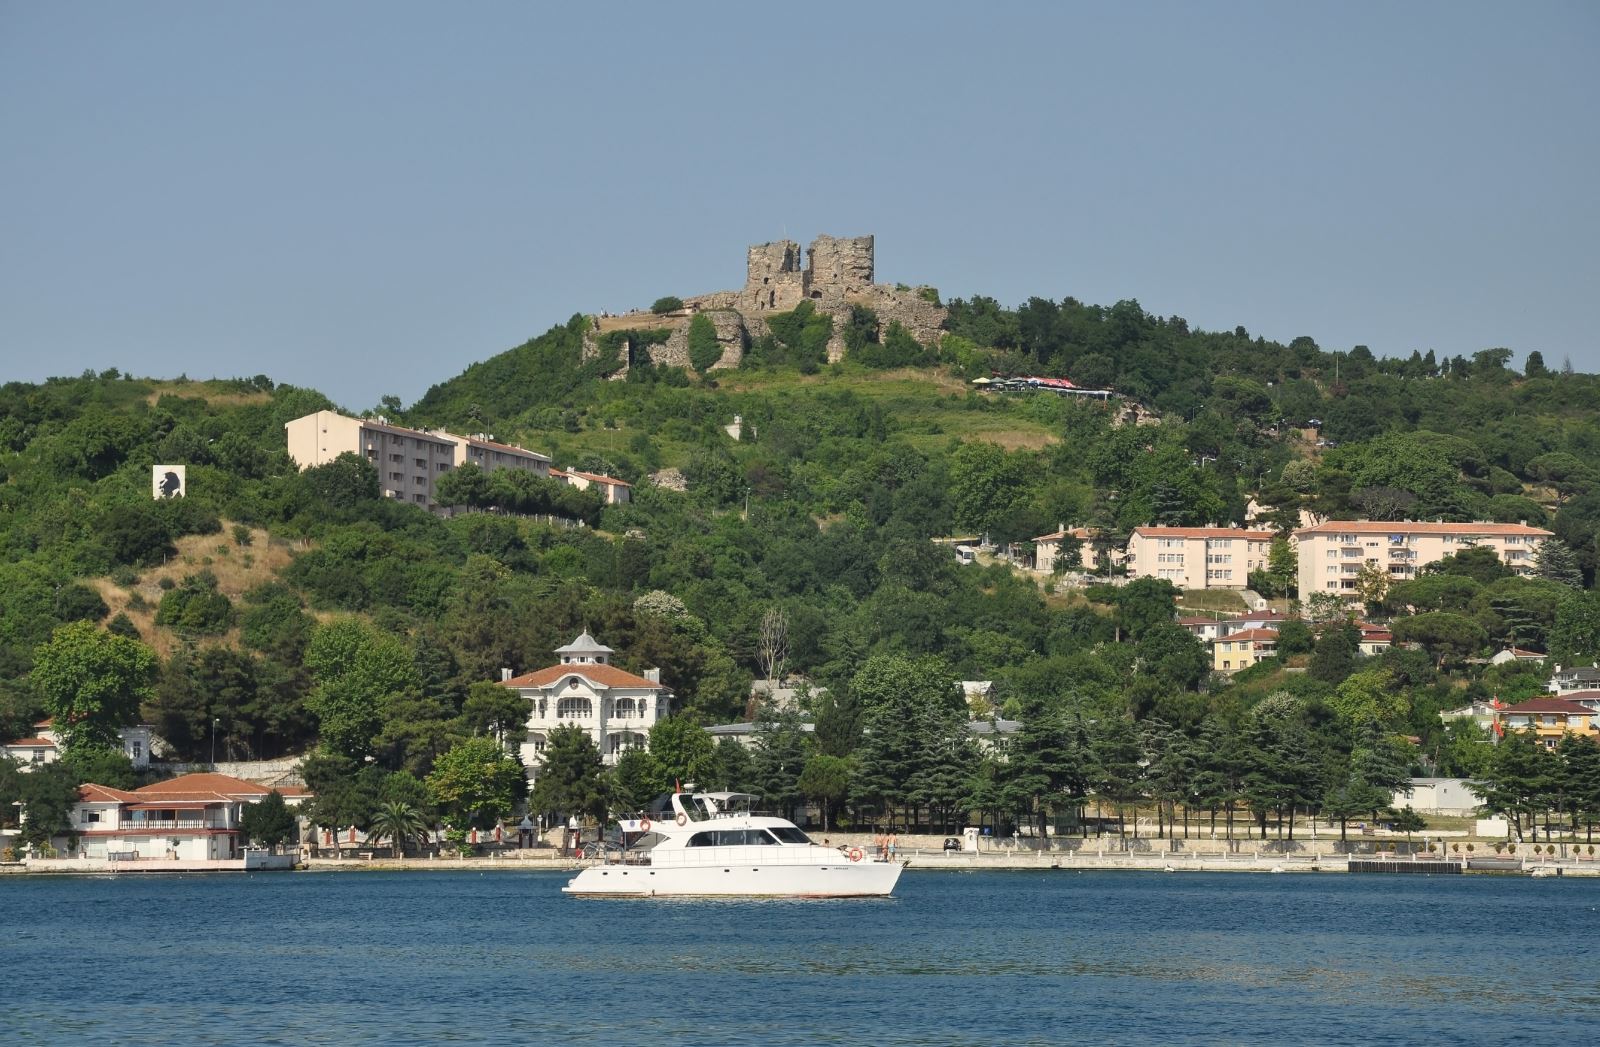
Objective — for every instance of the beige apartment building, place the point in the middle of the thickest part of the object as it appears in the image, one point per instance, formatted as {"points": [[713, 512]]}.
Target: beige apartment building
{"points": [[1198, 557], [1333, 553], [409, 461], [1048, 548]]}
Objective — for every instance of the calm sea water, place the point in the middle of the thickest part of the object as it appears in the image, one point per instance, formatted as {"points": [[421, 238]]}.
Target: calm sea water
{"points": [[953, 958]]}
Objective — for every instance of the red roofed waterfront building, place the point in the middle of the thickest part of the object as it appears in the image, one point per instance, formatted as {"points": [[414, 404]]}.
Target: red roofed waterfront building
{"points": [[615, 707], [192, 818]]}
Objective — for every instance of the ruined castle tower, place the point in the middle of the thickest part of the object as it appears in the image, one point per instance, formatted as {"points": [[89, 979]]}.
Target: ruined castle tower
{"points": [[842, 263], [837, 276], [773, 277]]}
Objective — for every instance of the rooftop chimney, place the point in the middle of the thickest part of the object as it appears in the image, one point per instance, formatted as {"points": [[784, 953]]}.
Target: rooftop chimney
{"points": [[653, 675], [505, 674]]}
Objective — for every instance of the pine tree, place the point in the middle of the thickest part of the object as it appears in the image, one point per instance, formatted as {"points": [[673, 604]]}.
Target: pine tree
{"points": [[1556, 561]]}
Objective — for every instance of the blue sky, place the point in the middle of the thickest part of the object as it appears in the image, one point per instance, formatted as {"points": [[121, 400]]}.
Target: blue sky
{"points": [[365, 198]]}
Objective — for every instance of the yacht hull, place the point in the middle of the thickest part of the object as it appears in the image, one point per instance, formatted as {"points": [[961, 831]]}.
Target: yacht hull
{"points": [[750, 879]]}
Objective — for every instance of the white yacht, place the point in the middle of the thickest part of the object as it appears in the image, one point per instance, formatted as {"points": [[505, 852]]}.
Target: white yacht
{"points": [[711, 844]]}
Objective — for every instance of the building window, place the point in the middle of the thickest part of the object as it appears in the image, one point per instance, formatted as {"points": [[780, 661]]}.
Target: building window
{"points": [[138, 749], [574, 709]]}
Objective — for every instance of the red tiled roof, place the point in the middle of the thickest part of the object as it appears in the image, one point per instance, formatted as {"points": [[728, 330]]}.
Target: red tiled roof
{"points": [[31, 742], [1205, 532], [1250, 634], [48, 721], [1549, 705], [92, 793], [605, 675], [1376, 636], [203, 786], [1200, 619], [1418, 527]]}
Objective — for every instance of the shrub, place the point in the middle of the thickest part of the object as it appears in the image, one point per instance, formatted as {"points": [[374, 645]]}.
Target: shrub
{"points": [[704, 349], [666, 304]]}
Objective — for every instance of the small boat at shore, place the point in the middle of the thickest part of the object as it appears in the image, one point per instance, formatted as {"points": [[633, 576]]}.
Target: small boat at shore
{"points": [[714, 845]]}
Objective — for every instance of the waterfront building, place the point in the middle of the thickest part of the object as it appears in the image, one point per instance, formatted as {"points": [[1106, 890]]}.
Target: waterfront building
{"points": [[192, 818], [1333, 554], [614, 707], [1442, 796], [1198, 557]]}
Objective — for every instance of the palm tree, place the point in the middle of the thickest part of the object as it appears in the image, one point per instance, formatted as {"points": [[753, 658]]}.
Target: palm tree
{"points": [[398, 821]]}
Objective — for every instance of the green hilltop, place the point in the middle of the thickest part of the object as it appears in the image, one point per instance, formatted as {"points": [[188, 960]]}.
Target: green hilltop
{"points": [[821, 514]]}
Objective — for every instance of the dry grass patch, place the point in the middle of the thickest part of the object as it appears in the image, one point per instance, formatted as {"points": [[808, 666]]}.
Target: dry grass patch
{"points": [[640, 321], [237, 569], [219, 393]]}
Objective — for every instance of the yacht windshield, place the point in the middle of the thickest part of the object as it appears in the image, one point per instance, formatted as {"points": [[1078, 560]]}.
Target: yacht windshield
{"points": [[789, 834]]}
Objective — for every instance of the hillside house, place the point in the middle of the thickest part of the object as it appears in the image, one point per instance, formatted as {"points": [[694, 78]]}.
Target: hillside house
{"points": [[44, 745], [1549, 719], [1241, 650], [1579, 678]]}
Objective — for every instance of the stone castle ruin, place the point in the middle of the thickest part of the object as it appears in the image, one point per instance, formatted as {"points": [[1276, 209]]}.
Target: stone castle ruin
{"points": [[837, 275]]}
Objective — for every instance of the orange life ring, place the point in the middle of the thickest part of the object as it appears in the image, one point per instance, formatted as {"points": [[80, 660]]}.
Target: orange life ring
{"points": [[683, 819], [644, 825], [855, 854]]}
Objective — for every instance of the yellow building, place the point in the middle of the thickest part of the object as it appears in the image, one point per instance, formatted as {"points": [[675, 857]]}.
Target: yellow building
{"points": [[1548, 719], [1243, 649]]}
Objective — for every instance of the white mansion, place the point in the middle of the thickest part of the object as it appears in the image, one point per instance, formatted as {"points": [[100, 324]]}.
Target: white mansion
{"points": [[615, 707]]}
